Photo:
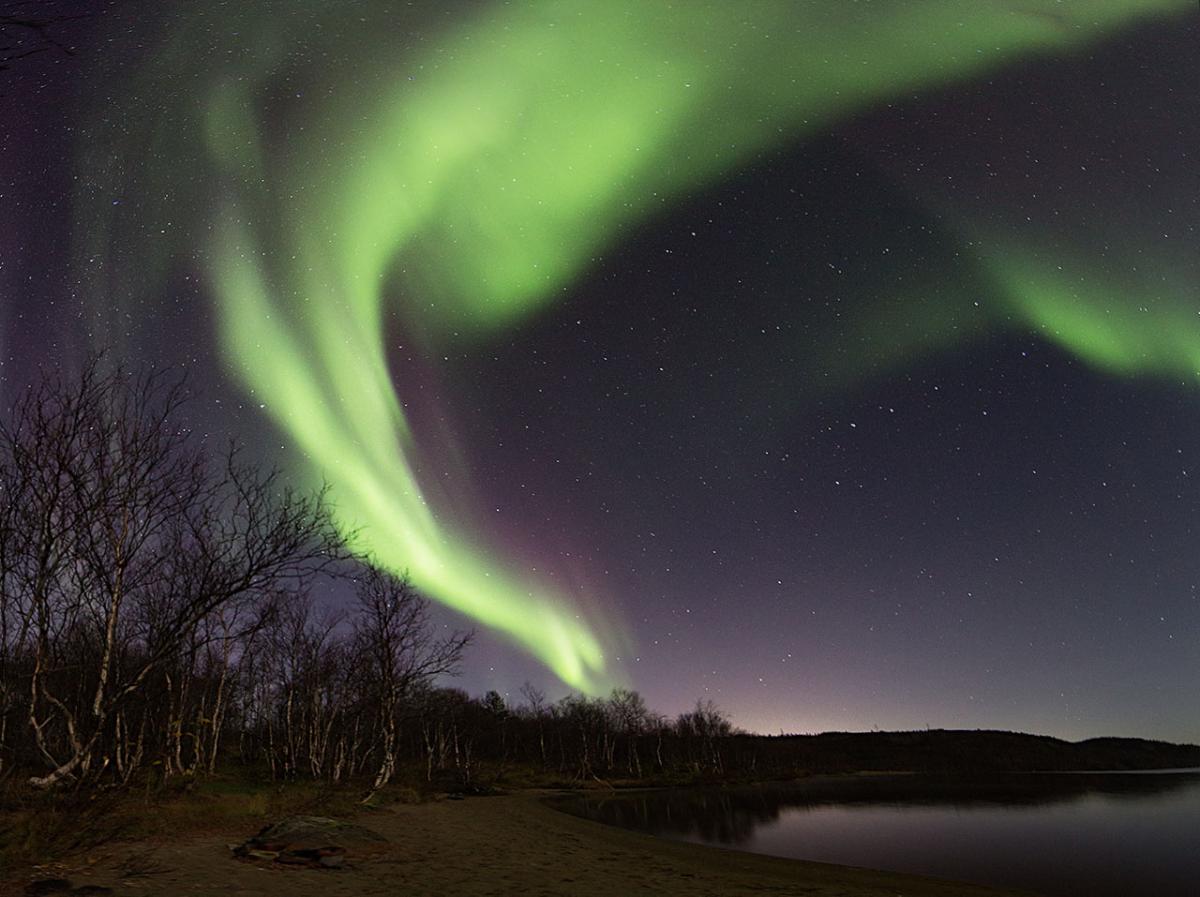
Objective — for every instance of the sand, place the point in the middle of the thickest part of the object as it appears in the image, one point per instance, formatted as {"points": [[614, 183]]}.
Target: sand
{"points": [[512, 844]]}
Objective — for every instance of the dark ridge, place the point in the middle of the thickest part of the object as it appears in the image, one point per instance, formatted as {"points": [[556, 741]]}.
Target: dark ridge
{"points": [[947, 750]]}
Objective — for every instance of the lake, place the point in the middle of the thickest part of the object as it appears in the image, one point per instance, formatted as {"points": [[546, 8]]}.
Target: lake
{"points": [[1059, 834]]}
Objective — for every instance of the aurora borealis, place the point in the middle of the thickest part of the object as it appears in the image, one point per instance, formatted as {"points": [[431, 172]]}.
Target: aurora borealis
{"points": [[489, 270]]}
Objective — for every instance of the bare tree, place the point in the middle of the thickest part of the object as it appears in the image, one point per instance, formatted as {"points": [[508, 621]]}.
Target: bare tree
{"points": [[398, 647], [14, 623], [631, 718], [535, 709], [706, 727], [129, 538]]}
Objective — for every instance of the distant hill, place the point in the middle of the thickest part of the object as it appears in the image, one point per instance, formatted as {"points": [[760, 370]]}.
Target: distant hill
{"points": [[948, 750]]}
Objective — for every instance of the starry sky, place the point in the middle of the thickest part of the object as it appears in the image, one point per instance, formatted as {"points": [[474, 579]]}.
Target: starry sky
{"points": [[836, 362]]}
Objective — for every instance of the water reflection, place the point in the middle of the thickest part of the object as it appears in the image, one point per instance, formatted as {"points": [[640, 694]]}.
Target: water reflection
{"points": [[1101, 835], [731, 815]]}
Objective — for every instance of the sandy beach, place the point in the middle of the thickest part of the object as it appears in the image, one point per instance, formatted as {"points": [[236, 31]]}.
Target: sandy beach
{"points": [[512, 844]]}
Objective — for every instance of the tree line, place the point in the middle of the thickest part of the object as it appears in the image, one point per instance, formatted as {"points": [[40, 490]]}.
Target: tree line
{"points": [[157, 618]]}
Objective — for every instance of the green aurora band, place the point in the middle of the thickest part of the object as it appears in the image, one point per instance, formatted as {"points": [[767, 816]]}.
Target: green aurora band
{"points": [[464, 182]]}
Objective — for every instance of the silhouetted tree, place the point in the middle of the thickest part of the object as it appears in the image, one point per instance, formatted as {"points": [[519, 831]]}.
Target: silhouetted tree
{"points": [[400, 653], [126, 540]]}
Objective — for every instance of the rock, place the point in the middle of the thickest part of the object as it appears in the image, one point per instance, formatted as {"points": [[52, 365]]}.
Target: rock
{"points": [[317, 831], [317, 858], [314, 842]]}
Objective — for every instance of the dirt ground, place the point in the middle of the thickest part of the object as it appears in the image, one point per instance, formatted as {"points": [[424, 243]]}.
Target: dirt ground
{"points": [[502, 845]]}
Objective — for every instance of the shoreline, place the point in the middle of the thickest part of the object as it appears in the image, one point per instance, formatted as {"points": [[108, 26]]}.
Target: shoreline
{"points": [[506, 844]]}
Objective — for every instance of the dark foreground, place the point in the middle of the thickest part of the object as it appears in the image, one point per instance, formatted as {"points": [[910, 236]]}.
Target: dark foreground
{"points": [[500, 845]]}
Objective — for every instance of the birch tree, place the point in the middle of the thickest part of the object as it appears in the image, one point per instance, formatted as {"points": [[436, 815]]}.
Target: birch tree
{"points": [[400, 651], [131, 533]]}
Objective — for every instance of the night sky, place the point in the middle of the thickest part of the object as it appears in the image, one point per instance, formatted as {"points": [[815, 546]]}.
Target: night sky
{"points": [[837, 362]]}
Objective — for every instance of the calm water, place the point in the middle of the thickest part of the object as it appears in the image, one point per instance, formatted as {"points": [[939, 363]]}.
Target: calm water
{"points": [[1061, 835]]}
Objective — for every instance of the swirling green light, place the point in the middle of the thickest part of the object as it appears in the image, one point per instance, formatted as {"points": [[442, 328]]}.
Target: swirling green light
{"points": [[1144, 324], [464, 184]]}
